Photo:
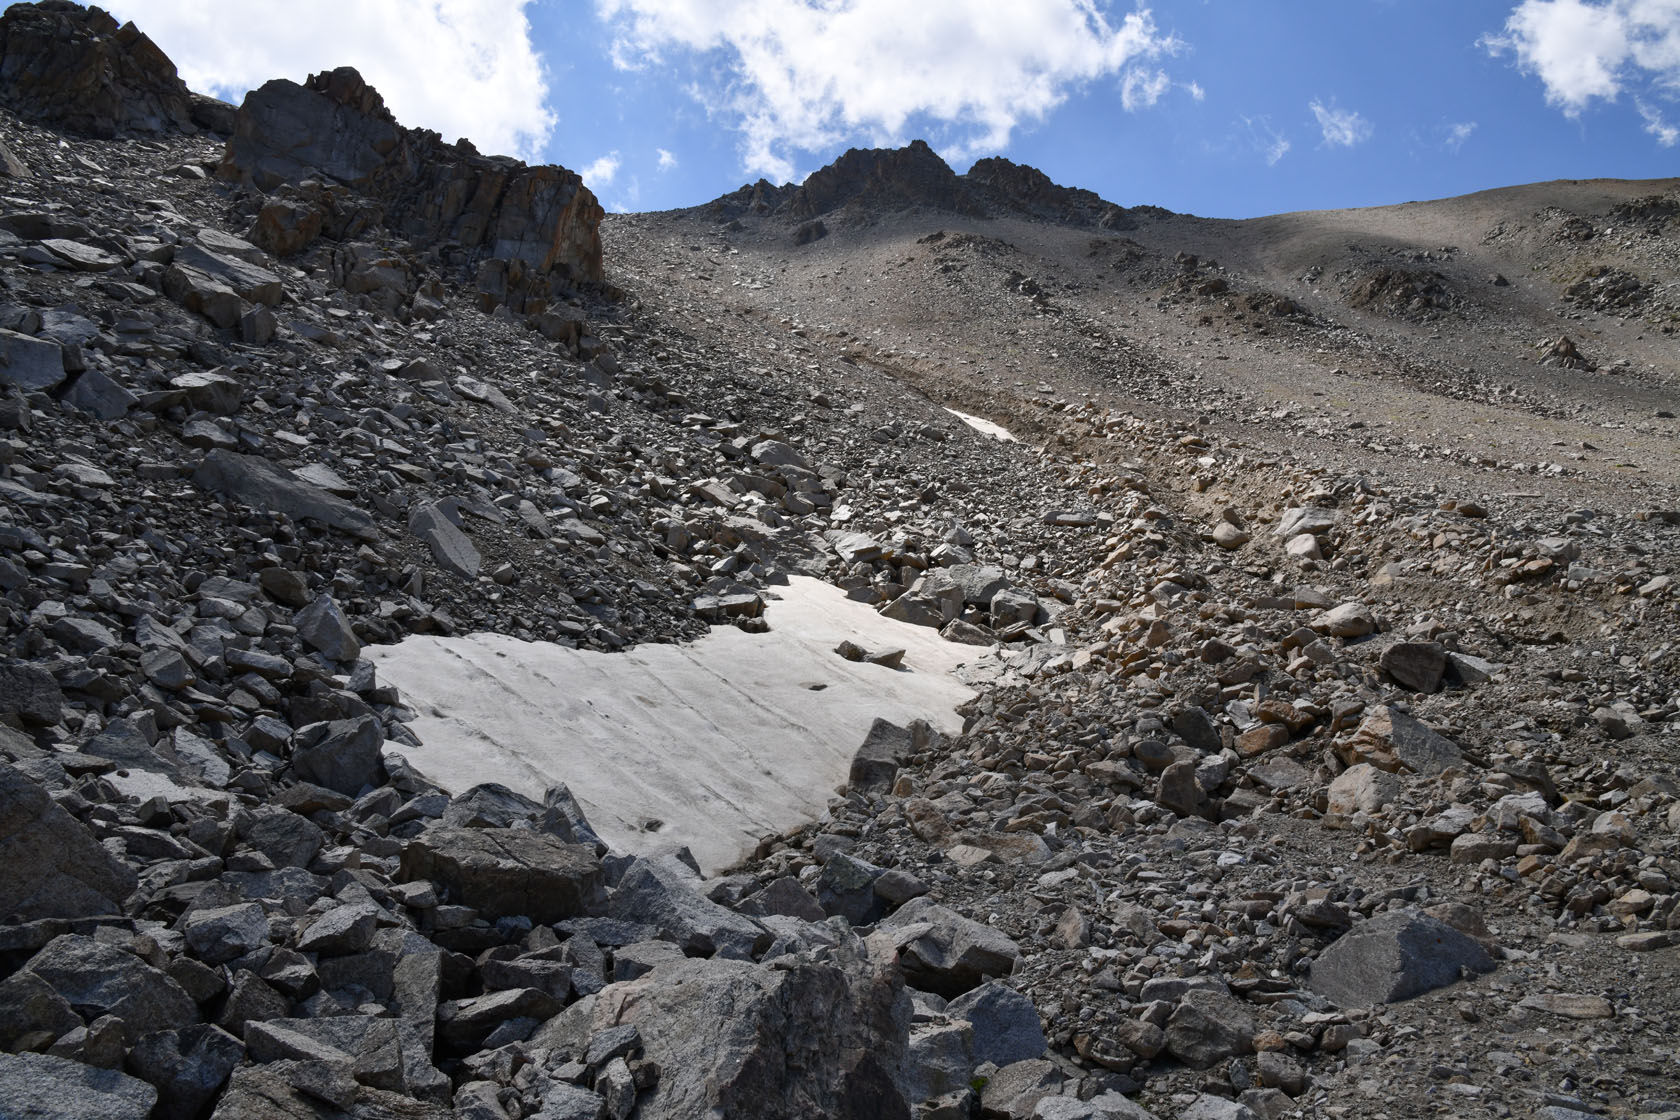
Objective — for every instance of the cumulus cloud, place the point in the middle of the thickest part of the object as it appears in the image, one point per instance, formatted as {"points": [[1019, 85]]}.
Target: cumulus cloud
{"points": [[601, 172], [1457, 134], [667, 161], [1342, 128], [461, 67], [804, 75], [1667, 134], [1587, 49]]}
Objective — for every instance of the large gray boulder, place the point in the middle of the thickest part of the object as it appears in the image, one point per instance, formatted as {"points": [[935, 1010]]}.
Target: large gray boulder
{"points": [[1006, 1026], [42, 1087], [654, 893], [942, 951], [50, 865], [31, 364], [450, 546], [99, 979], [256, 482], [504, 872], [1395, 956], [343, 755], [188, 1067], [807, 1037]]}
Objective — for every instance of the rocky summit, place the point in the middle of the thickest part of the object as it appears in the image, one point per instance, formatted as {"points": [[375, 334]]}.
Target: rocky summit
{"points": [[1313, 578]]}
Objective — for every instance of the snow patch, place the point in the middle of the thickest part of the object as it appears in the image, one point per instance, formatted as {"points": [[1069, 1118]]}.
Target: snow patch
{"points": [[721, 741]]}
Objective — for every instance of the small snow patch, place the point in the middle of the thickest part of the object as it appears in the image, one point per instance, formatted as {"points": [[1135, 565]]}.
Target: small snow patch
{"points": [[984, 426]]}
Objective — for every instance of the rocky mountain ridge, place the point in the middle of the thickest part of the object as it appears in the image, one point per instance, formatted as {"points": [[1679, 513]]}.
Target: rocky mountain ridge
{"points": [[1328, 768], [876, 180]]}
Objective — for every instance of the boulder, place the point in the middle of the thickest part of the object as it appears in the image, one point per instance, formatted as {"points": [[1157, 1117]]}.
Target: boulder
{"points": [[30, 364], [42, 1087], [814, 1036], [1391, 740], [188, 1067], [342, 755], [256, 482], [50, 865], [941, 951], [1006, 1026], [1207, 1027], [505, 872], [654, 893], [1395, 956], [99, 979], [1418, 666], [31, 1013], [450, 547], [323, 628], [30, 693], [1362, 789]]}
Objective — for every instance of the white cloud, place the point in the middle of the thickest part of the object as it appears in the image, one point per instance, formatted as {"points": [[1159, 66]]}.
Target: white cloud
{"points": [[1586, 49], [1141, 87], [804, 75], [1667, 134], [1271, 143], [600, 173], [667, 161], [1342, 128], [1195, 90], [461, 67], [1457, 134]]}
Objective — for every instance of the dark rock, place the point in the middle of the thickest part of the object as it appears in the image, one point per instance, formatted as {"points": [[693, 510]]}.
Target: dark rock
{"points": [[1006, 1026], [450, 547], [941, 951], [78, 69], [30, 693], [30, 364], [1418, 666], [31, 1013], [187, 1066], [50, 865], [343, 755], [42, 1087], [324, 628], [820, 1037], [1207, 1027], [99, 979], [1395, 956], [656, 894], [256, 482], [504, 872]]}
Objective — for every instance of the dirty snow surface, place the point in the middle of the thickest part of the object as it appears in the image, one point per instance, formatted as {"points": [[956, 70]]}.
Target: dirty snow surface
{"points": [[711, 744]]}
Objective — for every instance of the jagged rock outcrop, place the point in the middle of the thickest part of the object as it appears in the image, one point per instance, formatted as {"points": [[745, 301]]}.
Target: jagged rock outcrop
{"points": [[79, 69], [884, 179], [530, 232], [1015, 187]]}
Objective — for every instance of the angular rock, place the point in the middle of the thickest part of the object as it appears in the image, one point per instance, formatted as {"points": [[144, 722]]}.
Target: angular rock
{"points": [[257, 482], [1006, 1025], [188, 1067], [324, 628], [811, 1037], [655, 894], [30, 693], [1418, 666], [99, 979], [50, 865], [1395, 956], [1391, 740], [941, 951], [42, 1087], [30, 364], [503, 872], [343, 755], [450, 547], [1208, 1027]]}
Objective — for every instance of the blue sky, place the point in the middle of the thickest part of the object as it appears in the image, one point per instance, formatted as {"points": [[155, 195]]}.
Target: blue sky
{"points": [[1227, 108]]}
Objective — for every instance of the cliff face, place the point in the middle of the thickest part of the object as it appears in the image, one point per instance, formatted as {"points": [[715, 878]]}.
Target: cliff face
{"points": [[77, 69], [884, 179], [530, 231]]}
